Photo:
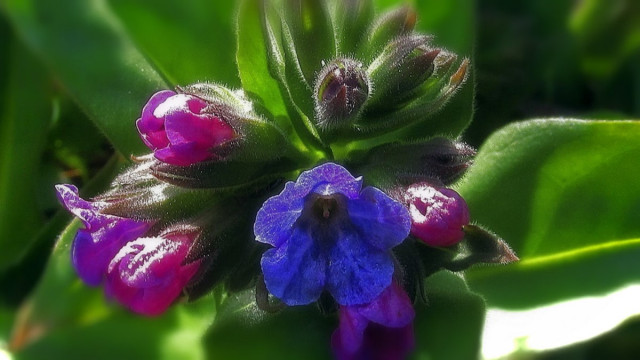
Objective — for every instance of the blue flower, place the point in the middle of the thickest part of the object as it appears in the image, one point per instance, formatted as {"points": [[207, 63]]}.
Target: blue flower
{"points": [[329, 234]]}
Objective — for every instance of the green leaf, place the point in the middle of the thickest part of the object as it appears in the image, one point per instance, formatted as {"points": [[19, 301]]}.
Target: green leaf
{"points": [[565, 195], [381, 5], [352, 19], [175, 335], [193, 43], [243, 331], [312, 35], [262, 68], [91, 54], [6, 318], [253, 58], [60, 300], [448, 327], [24, 120]]}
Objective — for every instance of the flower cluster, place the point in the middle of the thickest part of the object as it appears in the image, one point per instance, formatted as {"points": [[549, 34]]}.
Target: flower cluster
{"points": [[236, 194], [146, 273]]}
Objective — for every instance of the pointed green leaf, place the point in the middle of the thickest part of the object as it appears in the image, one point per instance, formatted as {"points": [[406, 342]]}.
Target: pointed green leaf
{"points": [[91, 54], [450, 326], [25, 115], [263, 71], [352, 19], [254, 56], [312, 35], [565, 195], [188, 43]]}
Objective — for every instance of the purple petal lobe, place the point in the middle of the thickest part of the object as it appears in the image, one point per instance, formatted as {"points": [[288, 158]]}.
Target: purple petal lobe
{"points": [[358, 272], [295, 271], [182, 155], [385, 221], [92, 251], [349, 336], [277, 216], [86, 211], [392, 308], [151, 128], [328, 179], [103, 236]]}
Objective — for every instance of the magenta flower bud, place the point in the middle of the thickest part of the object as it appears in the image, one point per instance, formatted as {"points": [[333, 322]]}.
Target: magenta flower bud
{"points": [[181, 129], [102, 236], [437, 214], [149, 273], [379, 330]]}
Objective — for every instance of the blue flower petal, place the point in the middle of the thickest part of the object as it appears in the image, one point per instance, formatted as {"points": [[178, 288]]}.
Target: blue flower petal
{"points": [[295, 272], [277, 215], [384, 221], [358, 272], [347, 253], [328, 179]]}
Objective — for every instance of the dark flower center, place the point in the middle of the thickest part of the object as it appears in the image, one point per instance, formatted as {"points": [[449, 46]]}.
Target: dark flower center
{"points": [[324, 210]]}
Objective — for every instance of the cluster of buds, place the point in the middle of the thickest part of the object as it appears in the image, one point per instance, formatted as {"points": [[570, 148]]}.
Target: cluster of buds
{"points": [[215, 203], [143, 268]]}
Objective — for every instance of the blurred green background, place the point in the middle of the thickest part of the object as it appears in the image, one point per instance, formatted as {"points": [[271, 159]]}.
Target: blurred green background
{"points": [[64, 64]]}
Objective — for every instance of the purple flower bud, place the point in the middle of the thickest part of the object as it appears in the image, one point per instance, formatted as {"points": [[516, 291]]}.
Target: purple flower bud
{"points": [[381, 329], [102, 237], [437, 214], [342, 88], [181, 129], [149, 273]]}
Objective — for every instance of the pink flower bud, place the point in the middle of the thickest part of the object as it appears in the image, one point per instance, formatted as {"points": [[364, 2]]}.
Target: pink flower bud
{"points": [[149, 273], [437, 214], [181, 129]]}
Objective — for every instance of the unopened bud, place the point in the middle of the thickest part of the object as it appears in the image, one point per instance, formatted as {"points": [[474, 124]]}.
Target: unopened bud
{"points": [[480, 246], [404, 65], [439, 161], [352, 18], [390, 25], [446, 160], [341, 90], [182, 129], [437, 214], [207, 135]]}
